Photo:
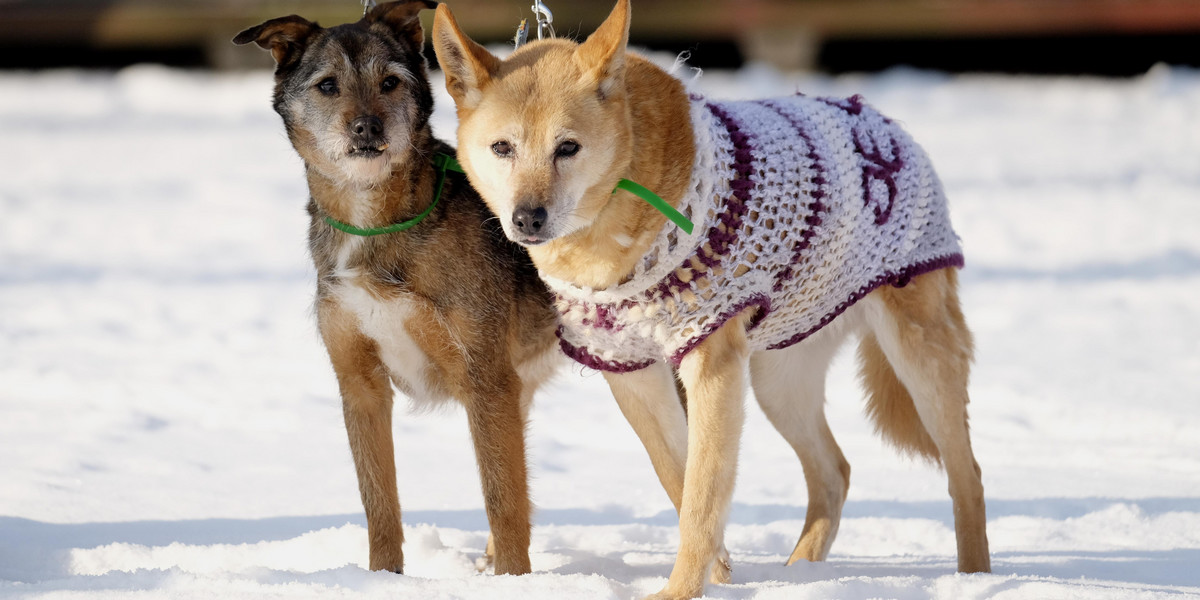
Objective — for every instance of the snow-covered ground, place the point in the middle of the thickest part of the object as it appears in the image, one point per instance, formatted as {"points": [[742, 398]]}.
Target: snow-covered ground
{"points": [[170, 427]]}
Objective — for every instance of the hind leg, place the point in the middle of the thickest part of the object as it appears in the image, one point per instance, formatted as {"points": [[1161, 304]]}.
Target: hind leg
{"points": [[921, 330], [789, 385]]}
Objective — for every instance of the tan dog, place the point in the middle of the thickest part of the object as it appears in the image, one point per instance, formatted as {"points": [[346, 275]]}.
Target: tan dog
{"points": [[444, 309], [546, 135]]}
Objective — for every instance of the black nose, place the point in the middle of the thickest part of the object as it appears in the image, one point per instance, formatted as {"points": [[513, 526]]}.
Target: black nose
{"points": [[367, 127], [529, 220]]}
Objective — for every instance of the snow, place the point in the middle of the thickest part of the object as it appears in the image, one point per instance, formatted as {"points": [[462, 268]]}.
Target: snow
{"points": [[170, 425]]}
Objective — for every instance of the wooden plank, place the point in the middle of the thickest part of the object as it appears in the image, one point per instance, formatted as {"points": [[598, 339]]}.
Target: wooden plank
{"points": [[184, 22]]}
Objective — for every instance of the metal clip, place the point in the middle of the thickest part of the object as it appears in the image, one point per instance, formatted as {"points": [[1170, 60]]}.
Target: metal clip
{"points": [[367, 6], [545, 19]]}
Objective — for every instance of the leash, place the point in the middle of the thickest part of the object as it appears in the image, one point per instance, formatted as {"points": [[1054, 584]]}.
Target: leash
{"points": [[441, 162]]}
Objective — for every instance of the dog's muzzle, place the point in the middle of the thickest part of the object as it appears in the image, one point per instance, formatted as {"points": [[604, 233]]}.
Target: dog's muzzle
{"points": [[528, 223], [366, 137]]}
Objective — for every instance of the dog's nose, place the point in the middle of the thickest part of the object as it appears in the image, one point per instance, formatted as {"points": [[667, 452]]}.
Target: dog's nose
{"points": [[367, 127], [529, 220]]}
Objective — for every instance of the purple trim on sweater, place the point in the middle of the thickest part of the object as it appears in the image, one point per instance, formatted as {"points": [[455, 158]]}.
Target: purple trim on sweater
{"points": [[817, 206], [852, 105], [731, 217], [736, 204], [899, 278], [764, 308], [587, 359]]}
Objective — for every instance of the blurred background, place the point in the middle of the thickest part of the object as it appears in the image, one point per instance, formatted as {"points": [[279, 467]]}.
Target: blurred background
{"points": [[1105, 37]]}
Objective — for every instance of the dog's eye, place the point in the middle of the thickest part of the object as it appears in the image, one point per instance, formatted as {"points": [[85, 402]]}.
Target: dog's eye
{"points": [[389, 83], [502, 149], [567, 148], [328, 86]]}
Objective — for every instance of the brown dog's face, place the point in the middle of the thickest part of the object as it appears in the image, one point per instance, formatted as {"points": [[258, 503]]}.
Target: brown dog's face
{"points": [[543, 135], [350, 95]]}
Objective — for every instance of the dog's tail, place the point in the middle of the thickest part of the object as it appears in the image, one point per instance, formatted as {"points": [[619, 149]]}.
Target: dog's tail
{"points": [[890, 406]]}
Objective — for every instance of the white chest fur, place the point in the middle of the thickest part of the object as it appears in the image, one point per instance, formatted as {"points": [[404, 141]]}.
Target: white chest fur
{"points": [[384, 322]]}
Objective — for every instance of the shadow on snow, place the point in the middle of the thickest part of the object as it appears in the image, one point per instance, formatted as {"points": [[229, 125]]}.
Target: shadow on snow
{"points": [[32, 551]]}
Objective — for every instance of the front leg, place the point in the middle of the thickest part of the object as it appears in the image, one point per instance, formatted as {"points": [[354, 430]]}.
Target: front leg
{"points": [[367, 407], [498, 429], [714, 376], [650, 402]]}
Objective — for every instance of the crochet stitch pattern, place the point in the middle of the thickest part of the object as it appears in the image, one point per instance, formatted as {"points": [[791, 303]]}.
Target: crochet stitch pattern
{"points": [[803, 206]]}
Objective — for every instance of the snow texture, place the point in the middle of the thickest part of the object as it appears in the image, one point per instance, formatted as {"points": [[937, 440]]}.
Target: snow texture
{"points": [[170, 426]]}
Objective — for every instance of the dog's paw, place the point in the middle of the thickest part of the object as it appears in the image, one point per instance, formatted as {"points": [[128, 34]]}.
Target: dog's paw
{"points": [[722, 569], [485, 562], [488, 560]]}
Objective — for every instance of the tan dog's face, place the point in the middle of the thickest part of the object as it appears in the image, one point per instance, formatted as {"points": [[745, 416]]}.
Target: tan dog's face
{"points": [[544, 135]]}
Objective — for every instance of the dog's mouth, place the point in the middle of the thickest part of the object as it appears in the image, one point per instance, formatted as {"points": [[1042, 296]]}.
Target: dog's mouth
{"points": [[368, 151], [531, 240]]}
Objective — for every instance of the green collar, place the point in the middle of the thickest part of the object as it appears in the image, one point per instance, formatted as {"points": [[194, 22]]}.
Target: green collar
{"points": [[441, 162], [654, 200], [445, 162]]}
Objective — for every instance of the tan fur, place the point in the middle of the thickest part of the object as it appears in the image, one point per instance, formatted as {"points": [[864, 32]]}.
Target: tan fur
{"points": [[915, 349], [714, 376], [648, 400], [889, 404], [789, 386], [533, 99], [926, 340]]}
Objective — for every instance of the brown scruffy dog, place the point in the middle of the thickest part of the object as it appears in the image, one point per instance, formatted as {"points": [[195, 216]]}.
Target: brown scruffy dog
{"points": [[416, 284]]}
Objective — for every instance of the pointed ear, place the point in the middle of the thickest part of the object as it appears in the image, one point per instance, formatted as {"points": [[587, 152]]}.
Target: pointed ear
{"points": [[285, 37], [602, 56], [401, 18], [467, 65]]}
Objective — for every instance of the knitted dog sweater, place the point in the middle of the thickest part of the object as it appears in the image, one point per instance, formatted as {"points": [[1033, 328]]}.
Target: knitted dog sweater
{"points": [[802, 206]]}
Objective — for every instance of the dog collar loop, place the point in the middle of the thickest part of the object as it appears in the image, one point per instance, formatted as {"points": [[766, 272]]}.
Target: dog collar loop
{"points": [[657, 202], [441, 162]]}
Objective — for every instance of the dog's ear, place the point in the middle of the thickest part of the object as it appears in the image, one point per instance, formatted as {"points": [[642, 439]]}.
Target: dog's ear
{"points": [[467, 65], [285, 37], [401, 18], [602, 55]]}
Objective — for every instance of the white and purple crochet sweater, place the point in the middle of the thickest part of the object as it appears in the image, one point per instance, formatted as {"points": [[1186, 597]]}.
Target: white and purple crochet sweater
{"points": [[802, 206]]}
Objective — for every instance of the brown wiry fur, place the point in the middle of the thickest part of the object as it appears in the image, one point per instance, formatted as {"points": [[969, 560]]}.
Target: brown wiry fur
{"points": [[452, 287]]}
